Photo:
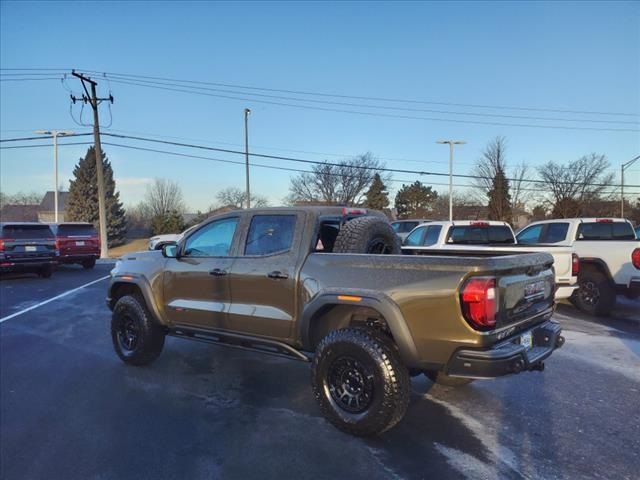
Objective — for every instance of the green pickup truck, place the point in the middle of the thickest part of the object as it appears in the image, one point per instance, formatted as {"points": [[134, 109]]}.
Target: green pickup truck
{"points": [[329, 286]]}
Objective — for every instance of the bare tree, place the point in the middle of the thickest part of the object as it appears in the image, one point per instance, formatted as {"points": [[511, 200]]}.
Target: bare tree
{"points": [[236, 198], [344, 183], [493, 160], [574, 185], [163, 196], [520, 193], [22, 198]]}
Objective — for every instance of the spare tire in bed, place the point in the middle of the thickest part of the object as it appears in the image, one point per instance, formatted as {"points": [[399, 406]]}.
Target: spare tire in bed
{"points": [[367, 235]]}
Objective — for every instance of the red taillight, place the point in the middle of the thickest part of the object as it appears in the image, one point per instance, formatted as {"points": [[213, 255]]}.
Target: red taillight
{"points": [[354, 211], [479, 224], [635, 258], [1, 245], [604, 220], [575, 264], [478, 299], [58, 244]]}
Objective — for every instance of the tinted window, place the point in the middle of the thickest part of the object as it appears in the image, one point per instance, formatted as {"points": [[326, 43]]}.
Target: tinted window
{"points": [[605, 231], [556, 232], [270, 234], [70, 230], [431, 238], [404, 227], [212, 240], [530, 235], [415, 237], [472, 235], [21, 232]]}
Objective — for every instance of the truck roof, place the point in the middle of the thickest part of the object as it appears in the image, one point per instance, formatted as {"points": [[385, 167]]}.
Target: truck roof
{"points": [[468, 223], [582, 220]]}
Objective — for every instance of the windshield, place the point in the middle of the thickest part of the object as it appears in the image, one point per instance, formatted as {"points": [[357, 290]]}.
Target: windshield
{"points": [[404, 227]]}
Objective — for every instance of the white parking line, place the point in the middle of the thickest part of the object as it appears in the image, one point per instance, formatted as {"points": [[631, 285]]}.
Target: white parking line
{"points": [[37, 305]]}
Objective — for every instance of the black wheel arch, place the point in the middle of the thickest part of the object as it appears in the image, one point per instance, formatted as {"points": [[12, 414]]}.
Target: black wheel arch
{"points": [[327, 312], [588, 263], [136, 286]]}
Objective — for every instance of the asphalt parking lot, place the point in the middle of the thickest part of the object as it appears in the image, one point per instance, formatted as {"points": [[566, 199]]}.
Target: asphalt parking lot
{"points": [[69, 408]]}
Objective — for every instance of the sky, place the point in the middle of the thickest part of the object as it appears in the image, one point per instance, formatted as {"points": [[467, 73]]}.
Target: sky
{"points": [[568, 56]]}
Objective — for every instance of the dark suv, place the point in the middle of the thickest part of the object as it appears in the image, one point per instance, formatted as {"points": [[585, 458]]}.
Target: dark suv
{"points": [[27, 247], [78, 242]]}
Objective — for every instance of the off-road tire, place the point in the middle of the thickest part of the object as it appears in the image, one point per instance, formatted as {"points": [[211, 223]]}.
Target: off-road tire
{"points": [[89, 264], [131, 317], [45, 272], [367, 235], [442, 378], [382, 370], [595, 294]]}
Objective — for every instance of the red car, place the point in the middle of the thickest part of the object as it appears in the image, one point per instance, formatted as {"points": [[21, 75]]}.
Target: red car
{"points": [[78, 243]]}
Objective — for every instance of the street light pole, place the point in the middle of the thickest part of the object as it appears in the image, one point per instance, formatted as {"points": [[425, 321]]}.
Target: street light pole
{"points": [[622, 167], [55, 134], [451, 143], [246, 153]]}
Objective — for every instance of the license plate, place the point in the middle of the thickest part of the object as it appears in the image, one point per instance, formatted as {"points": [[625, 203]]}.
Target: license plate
{"points": [[534, 289], [526, 340], [80, 244], [29, 248]]}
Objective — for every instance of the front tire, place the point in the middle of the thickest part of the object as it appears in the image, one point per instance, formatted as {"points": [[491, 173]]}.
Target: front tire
{"points": [[137, 338], [595, 295], [359, 381]]}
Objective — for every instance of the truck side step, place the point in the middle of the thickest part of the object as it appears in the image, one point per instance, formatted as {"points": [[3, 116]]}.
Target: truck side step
{"points": [[242, 342]]}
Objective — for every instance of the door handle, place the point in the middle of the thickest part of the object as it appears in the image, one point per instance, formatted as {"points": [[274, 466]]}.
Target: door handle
{"points": [[217, 272], [277, 275]]}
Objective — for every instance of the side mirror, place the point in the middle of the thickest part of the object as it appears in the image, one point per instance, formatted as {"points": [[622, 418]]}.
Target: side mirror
{"points": [[170, 250]]}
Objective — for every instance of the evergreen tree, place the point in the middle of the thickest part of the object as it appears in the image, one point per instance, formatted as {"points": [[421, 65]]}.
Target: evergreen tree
{"points": [[499, 197], [171, 222], [82, 202], [377, 197], [415, 200]]}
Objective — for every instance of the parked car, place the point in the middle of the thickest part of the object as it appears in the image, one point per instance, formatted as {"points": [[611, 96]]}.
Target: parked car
{"points": [[492, 238], [609, 254], [403, 227], [78, 242], [638, 231], [306, 283], [159, 241], [27, 247]]}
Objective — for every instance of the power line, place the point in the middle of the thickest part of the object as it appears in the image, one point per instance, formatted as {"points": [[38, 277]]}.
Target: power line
{"points": [[383, 99], [374, 114], [360, 105]]}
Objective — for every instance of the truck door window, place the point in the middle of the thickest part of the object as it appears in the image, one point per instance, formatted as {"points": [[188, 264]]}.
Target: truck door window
{"points": [[556, 232], [415, 237], [212, 240], [530, 235], [270, 234], [431, 238]]}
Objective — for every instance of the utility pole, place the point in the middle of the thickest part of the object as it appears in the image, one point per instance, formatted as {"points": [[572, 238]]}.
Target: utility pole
{"points": [[93, 100], [622, 168], [246, 152], [451, 143], [55, 134]]}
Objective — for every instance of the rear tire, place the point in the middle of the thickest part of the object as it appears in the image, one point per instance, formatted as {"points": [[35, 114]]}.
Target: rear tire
{"points": [[137, 338], [89, 264], [442, 378], [45, 272], [595, 294], [359, 381], [367, 235]]}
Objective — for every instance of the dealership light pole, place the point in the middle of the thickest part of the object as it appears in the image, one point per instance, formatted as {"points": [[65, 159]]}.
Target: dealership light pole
{"points": [[246, 152], [622, 169], [451, 143], [55, 134]]}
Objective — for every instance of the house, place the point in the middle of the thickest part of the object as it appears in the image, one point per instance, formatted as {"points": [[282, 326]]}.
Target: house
{"points": [[19, 213]]}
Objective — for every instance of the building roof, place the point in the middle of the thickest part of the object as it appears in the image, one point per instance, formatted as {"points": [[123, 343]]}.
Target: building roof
{"points": [[48, 202]]}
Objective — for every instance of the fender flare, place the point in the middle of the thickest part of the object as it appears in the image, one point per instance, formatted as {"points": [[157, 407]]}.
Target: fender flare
{"points": [[599, 264], [145, 288], [382, 304]]}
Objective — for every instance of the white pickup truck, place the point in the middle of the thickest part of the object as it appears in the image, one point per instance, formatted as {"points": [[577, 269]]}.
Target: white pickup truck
{"points": [[491, 237], [609, 257]]}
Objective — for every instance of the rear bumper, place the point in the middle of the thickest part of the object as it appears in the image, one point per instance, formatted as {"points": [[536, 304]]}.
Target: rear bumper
{"points": [[16, 265], [565, 291], [508, 357], [78, 257]]}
